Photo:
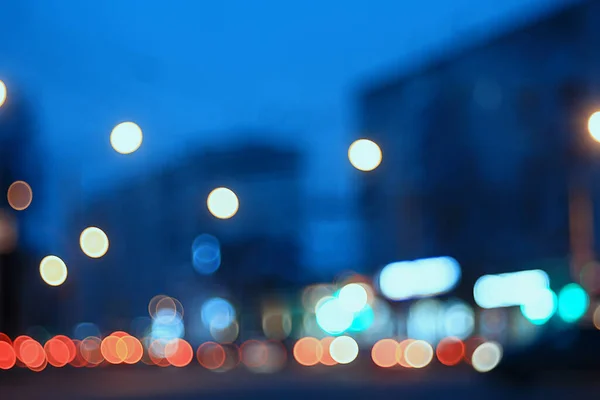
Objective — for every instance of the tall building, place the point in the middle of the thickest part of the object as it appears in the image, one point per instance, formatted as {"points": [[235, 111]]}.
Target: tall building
{"points": [[480, 147], [152, 222]]}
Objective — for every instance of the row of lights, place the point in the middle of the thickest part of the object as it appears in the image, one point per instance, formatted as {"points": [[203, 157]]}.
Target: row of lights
{"points": [[259, 356]]}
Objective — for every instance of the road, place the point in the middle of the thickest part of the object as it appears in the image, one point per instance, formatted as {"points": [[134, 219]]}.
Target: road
{"points": [[342, 382]]}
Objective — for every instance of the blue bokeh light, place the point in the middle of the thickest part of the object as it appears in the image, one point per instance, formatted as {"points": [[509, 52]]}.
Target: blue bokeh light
{"points": [[217, 313], [206, 254], [85, 329], [166, 327]]}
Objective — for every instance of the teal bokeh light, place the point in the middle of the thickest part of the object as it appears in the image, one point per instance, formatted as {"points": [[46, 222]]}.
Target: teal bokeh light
{"points": [[573, 302], [362, 320], [541, 307]]}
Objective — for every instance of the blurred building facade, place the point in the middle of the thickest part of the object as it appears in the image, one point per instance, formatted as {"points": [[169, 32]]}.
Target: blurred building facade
{"points": [[153, 220], [23, 296], [480, 147]]}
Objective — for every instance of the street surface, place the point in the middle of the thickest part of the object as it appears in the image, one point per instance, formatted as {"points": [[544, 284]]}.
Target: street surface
{"points": [[358, 382]]}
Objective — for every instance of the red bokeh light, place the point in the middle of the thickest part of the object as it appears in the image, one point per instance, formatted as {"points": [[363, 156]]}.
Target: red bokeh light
{"points": [[179, 353], [8, 357], [4, 338], [254, 353], [78, 361], [57, 353], [450, 351], [32, 354], [470, 345], [211, 355]]}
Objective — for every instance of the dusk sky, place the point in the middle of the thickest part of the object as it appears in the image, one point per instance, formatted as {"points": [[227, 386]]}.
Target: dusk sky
{"points": [[199, 72]]}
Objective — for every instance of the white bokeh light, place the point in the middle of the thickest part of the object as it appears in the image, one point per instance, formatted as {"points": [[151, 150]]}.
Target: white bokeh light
{"points": [[486, 357], [93, 242], [420, 278], [126, 137], [53, 271], [343, 349], [353, 297], [3, 93], [364, 155], [332, 317], [594, 126], [222, 203]]}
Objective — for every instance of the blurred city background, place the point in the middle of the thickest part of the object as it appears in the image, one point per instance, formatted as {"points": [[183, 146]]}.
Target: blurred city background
{"points": [[271, 199]]}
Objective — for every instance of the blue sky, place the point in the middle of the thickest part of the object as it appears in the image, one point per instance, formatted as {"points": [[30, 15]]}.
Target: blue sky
{"points": [[198, 72]]}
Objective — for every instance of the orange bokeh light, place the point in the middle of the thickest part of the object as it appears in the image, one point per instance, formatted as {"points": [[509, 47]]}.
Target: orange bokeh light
{"points": [[8, 357], [179, 353], [326, 358], [384, 353], [211, 355], [400, 353], [135, 350], [308, 351], [450, 351], [113, 349]]}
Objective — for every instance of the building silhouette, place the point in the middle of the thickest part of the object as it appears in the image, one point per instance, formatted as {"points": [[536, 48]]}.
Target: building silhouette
{"points": [[480, 147], [152, 221], [22, 293]]}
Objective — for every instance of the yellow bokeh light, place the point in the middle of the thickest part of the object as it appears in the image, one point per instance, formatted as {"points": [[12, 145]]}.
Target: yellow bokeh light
{"points": [[53, 270], [364, 155], [93, 242], [277, 325], [343, 349], [126, 137], [596, 317], [594, 126], [222, 203], [3, 93], [227, 334], [418, 354]]}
